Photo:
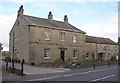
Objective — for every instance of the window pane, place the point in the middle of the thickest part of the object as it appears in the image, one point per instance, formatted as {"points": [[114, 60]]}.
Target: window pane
{"points": [[62, 36], [75, 53], [74, 37], [47, 35], [46, 53]]}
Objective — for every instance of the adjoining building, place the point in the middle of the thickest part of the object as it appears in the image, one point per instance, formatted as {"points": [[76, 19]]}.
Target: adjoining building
{"points": [[40, 40], [100, 48], [4, 54]]}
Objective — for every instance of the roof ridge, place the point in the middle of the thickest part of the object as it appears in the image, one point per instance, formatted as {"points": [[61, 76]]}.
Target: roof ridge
{"points": [[97, 37], [37, 21], [101, 40], [44, 18]]}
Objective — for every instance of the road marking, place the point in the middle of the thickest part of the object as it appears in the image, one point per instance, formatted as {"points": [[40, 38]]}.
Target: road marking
{"points": [[60, 76], [86, 72], [69, 74], [44, 78], [103, 69], [103, 78]]}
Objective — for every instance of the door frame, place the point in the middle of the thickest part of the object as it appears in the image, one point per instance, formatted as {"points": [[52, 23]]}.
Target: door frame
{"points": [[62, 54]]}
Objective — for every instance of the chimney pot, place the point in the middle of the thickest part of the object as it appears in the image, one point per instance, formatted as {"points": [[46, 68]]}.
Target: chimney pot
{"points": [[50, 16], [21, 10], [65, 19]]}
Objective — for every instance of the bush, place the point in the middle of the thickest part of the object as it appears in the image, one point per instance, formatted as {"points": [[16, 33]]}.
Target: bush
{"points": [[78, 63], [7, 59], [58, 62]]}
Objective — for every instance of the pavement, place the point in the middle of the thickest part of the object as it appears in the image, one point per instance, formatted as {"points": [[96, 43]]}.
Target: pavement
{"points": [[31, 70]]}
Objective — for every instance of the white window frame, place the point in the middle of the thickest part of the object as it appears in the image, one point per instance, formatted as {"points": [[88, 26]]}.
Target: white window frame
{"points": [[74, 37], [75, 53], [46, 53], [47, 34], [62, 36]]}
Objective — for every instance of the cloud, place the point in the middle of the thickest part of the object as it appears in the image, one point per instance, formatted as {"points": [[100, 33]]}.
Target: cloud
{"points": [[6, 23], [56, 1], [108, 28]]}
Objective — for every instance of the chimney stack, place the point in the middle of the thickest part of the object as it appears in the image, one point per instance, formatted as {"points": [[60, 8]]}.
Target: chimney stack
{"points": [[50, 16], [65, 19], [21, 10]]}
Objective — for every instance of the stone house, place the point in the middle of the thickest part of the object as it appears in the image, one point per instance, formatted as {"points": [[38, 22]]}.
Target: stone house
{"points": [[100, 48], [39, 40]]}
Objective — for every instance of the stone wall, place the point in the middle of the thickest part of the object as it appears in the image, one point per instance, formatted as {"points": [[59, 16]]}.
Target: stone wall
{"points": [[107, 50], [38, 44], [19, 39]]}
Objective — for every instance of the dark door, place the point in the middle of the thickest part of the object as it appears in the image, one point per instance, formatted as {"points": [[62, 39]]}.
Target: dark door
{"points": [[62, 54], [100, 56]]}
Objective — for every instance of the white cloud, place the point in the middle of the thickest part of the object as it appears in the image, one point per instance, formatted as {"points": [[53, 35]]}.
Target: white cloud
{"points": [[108, 28], [54, 1], [6, 23]]}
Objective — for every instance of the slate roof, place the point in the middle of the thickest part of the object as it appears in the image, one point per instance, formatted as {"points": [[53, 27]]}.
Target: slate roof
{"points": [[99, 40], [51, 23]]}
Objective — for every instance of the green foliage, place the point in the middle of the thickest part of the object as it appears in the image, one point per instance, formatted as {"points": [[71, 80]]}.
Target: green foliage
{"points": [[4, 54], [58, 62], [78, 62], [7, 59]]}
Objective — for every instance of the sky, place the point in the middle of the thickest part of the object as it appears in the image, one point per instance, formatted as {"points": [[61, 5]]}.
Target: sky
{"points": [[95, 17]]}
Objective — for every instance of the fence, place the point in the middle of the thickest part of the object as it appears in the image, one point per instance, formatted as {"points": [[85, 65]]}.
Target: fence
{"points": [[13, 67]]}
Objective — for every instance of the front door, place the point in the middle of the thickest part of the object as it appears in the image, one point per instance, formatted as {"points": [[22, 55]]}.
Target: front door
{"points": [[62, 54]]}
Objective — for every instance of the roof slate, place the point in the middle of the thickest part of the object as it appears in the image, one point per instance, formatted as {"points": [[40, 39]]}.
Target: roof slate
{"points": [[99, 40], [51, 23]]}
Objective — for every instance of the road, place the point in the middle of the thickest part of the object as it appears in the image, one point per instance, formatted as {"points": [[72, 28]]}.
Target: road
{"points": [[90, 75], [105, 74]]}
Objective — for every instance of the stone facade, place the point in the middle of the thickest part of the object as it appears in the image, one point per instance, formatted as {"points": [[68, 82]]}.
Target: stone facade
{"points": [[28, 41], [19, 39], [40, 40], [38, 44], [99, 49]]}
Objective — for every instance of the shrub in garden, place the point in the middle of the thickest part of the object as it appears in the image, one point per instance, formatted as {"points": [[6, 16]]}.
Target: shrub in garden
{"points": [[58, 62]]}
